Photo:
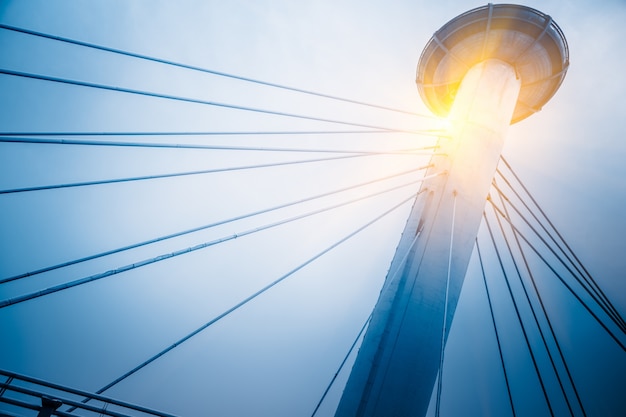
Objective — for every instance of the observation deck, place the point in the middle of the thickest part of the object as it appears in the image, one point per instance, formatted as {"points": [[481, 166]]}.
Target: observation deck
{"points": [[525, 38]]}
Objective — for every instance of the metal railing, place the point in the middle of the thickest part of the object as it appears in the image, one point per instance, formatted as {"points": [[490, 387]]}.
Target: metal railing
{"points": [[24, 396]]}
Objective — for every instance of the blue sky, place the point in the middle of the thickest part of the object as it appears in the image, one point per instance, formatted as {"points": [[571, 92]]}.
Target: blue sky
{"points": [[276, 355]]}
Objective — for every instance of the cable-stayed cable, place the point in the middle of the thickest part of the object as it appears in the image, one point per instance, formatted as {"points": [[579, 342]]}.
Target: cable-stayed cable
{"points": [[495, 329], [549, 234], [425, 150], [519, 318], [386, 284], [545, 314], [180, 174], [341, 365], [560, 278], [595, 297], [210, 225], [150, 261], [592, 286], [203, 70], [425, 132], [253, 296], [445, 312], [532, 309], [587, 276], [189, 99]]}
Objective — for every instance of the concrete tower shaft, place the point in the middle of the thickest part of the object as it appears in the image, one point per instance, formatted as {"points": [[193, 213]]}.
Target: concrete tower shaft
{"points": [[465, 73]]}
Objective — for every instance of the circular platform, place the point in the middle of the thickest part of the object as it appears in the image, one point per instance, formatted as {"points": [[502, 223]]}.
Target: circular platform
{"points": [[527, 39]]}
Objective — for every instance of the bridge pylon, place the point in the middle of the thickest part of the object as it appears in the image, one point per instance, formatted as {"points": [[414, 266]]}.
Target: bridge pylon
{"points": [[483, 70]]}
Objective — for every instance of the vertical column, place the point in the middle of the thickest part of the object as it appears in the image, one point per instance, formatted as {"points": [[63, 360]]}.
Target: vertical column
{"points": [[397, 364]]}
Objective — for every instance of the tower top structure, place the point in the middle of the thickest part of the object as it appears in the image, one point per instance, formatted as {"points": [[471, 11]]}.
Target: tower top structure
{"points": [[528, 40]]}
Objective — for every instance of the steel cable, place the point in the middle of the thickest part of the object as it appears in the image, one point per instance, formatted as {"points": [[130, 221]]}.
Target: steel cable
{"points": [[519, 317], [203, 70], [208, 226], [592, 286], [609, 312], [532, 309], [425, 150], [181, 174], [426, 132], [95, 277], [251, 297], [341, 365], [445, 312], [547, 317], [556, 273], [189, 100], [495, 329]]}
